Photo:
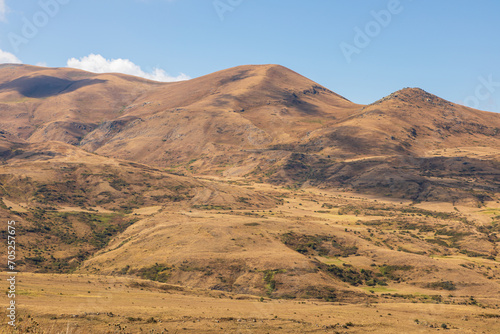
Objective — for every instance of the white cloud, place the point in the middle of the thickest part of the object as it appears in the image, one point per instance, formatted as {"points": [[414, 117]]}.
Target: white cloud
{"points": [[99, 64], [3, 10], [7, 57]]}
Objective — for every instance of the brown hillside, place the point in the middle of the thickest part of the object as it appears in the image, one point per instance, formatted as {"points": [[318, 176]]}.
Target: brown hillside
{"points": [[248, 200], [39, 104], [243, 108], [265, 122]]}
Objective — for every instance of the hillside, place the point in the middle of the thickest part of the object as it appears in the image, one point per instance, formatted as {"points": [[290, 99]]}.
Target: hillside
{"points": [[264, 122], [40, 104], [228, 112], [70, 203], [250, 199]]}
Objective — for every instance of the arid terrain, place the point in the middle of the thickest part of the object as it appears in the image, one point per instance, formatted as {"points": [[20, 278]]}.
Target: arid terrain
{"points": [[250, 200]]}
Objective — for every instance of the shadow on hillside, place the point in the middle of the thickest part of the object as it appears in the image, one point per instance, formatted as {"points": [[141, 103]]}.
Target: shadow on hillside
{"points": [[46, 86]]}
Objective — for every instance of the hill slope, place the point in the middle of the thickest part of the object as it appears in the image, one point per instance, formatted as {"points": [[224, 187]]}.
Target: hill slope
{"points": [[265, 122], [39, 104], [253, 183]]}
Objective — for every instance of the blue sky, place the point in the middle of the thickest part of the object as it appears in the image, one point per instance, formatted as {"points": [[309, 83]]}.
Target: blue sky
{"points": [[361, 49]]}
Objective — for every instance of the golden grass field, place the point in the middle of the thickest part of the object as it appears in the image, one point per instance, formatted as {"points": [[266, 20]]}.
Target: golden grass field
{"points": [[53, 303]]}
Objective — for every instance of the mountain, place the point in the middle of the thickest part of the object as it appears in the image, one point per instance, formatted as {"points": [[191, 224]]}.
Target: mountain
{"points": [[217, 116], [262, 121], [63, 104], [249, 188], [410, 144]]}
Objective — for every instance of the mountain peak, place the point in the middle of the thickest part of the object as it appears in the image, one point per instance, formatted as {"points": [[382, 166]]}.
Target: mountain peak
{"points": [[249, 86], [415, 96], [413, 93], [270, 72]]}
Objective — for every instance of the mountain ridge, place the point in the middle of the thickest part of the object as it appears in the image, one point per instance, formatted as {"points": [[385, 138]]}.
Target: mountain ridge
{"points": [[260, 121]]}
